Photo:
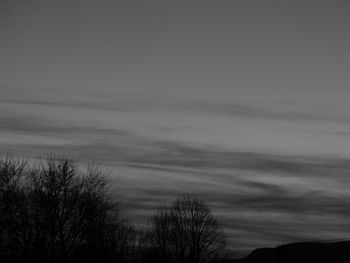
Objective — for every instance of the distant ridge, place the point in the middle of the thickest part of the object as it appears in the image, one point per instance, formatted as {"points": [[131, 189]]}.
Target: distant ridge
{"points": [[303, 252]]}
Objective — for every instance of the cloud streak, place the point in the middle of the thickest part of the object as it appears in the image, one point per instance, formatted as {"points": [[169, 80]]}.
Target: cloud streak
{"points": [[261, 196], [277, 113], [180, 98], [286, 193]]}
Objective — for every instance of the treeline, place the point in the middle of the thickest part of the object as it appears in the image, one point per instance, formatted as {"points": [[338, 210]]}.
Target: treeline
{"points": [[53, 211]]}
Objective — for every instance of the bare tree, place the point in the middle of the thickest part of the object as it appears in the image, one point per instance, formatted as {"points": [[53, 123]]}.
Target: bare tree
{"points": [[12, 199], [187, 232], [160, 234], [56, 212]]}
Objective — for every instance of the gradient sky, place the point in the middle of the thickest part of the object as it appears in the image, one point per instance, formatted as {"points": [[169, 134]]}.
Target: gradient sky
{"points": [[242, 102]]}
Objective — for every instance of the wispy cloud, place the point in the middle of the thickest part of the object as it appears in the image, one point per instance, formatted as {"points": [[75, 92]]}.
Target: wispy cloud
{"points": [[277, 112], [191, 105], [158, 151], [267, 197]]}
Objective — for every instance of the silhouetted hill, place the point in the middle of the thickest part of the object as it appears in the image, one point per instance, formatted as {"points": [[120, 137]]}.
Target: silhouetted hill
{"points": [[306, 252]]}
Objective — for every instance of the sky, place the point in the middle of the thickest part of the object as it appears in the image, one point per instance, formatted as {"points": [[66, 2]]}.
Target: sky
{"points": [[244, 103]]}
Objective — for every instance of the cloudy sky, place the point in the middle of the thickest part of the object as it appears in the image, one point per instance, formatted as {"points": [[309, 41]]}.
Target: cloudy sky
{"points": [[244, 103]]}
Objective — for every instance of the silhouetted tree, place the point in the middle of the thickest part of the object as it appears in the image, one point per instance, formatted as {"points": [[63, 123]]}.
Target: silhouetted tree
{"points": [[11, 202], [186, 232], [57, 213]]}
